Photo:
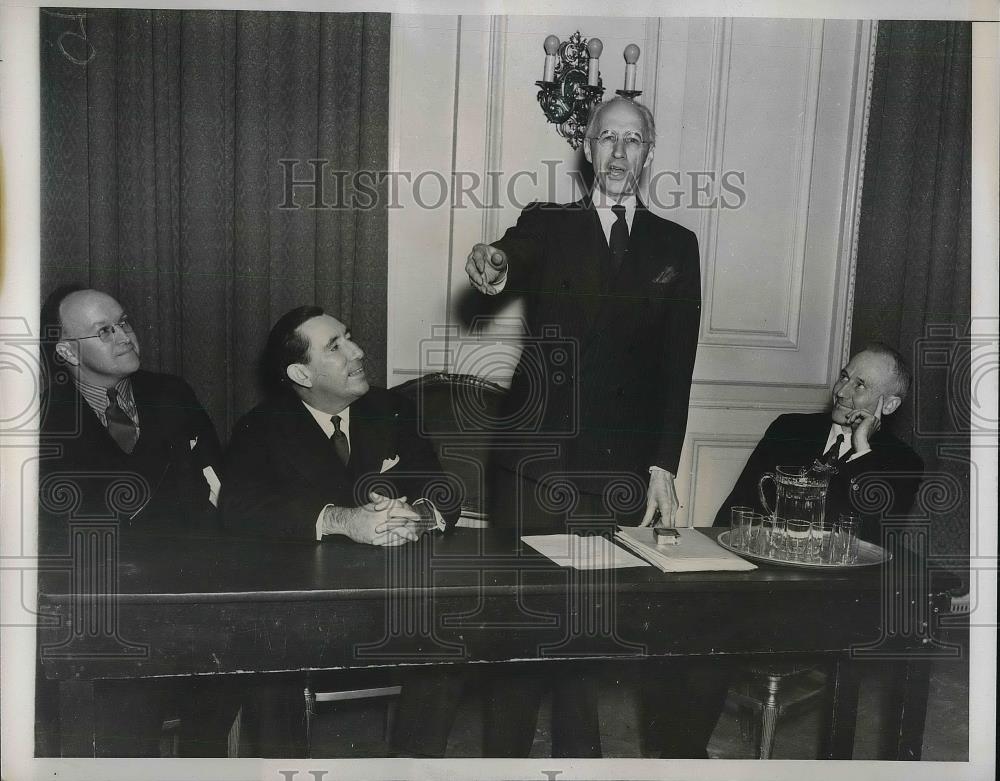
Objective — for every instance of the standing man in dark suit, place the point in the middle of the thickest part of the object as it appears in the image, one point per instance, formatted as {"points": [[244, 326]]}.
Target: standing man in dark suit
{"points": [[328, 457], [687, 700], [136, 448], [622, 287]]}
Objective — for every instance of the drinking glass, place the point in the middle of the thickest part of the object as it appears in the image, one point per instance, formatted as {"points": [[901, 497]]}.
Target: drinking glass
{"points": [[797, 534], [846, 531], [820, 541], [778, 534], [755, 533], [739, 517]]}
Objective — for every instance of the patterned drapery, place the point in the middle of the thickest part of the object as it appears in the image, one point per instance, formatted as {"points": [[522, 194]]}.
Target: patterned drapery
{"points": [[163, 182]]}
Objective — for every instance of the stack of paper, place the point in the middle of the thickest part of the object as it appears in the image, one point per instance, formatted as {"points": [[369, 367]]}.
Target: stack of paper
{"points": [[694, 553], [579, 552]]}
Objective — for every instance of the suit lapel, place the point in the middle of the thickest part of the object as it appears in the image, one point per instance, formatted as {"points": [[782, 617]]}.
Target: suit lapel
{"points": [[306, 445], [373, 422]]}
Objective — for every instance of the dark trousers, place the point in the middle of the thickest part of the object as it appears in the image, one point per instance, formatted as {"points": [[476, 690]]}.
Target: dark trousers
{"points": [[682, 700], [514, 694], [129, 716]]}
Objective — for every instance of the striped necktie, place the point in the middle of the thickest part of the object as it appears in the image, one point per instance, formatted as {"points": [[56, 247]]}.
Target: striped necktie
{"points": [[120, 426]]}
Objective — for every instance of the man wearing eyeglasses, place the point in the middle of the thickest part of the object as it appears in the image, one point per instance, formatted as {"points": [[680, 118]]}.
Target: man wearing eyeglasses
{"points": [[622, 287], [137, 445]]}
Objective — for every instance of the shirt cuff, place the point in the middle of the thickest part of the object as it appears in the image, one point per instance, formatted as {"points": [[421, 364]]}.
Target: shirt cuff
{"points": [[439, 523], [859, 453], [661, 469], [499, 285], [319, 522]]}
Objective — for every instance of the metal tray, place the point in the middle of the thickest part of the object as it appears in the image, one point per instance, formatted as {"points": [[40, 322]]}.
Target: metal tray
{"points": [[869, 555]]}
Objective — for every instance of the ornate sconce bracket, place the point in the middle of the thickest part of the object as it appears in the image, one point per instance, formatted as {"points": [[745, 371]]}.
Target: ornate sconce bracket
{"points": [[571, 85]]}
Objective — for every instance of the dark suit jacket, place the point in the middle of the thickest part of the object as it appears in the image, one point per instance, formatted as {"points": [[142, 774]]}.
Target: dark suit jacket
{"points": [[620, 401], [796, 440], [159, 486], [281, 469]]}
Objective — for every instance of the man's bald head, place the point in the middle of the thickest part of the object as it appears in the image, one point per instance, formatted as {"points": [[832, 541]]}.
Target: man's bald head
{"points": [[95, 337]]}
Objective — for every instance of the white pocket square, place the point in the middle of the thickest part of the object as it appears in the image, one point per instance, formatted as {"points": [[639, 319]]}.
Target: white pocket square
{"points": [[388, 464]]}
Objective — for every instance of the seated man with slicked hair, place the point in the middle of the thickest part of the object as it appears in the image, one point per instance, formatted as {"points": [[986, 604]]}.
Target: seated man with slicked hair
{"points": [[330, 458]]}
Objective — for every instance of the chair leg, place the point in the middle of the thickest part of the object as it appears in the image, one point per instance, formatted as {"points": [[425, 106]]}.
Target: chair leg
{"points": [[310, 712], [744, 718], [769, 717], [390, 719]]}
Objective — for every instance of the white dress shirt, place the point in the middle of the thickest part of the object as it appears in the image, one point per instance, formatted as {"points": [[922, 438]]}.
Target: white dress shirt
{"points": [[325, 421], [835, 430]]}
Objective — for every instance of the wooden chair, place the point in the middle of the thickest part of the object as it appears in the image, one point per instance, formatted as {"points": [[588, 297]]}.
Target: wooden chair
{"points": [[770, 690], [458, 413]]}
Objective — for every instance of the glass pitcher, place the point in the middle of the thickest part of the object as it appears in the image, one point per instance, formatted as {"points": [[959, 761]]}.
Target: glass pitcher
{"points": [[799, 493]]}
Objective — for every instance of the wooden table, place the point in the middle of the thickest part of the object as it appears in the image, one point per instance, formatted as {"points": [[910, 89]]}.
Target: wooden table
{"points": [[178, 607]]}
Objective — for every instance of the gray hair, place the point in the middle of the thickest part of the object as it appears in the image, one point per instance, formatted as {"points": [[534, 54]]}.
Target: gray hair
{"points": [[901, 380], [647, 116]]}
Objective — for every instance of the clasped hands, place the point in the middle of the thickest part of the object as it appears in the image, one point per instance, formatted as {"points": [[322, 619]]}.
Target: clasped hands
{"points": [[382, 521]]}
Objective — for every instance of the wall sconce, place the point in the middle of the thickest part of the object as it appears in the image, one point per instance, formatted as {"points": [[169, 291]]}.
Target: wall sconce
{"points": [[571, 83]]}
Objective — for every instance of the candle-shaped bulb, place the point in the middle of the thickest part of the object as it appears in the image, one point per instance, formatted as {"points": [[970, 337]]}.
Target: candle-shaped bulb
{"points": [[631, 58], [551, 46], [594, 49]]}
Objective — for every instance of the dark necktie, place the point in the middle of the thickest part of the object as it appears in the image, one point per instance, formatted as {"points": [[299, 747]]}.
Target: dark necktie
{"points": [[120, 426], [833, 453], [340, 443], [618, 240]]}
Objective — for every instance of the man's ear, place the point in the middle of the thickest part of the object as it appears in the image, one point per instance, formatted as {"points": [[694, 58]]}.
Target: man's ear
{"points": [[890, 404], [587, 152], [299, 374], [649, 158], [65, 351]]}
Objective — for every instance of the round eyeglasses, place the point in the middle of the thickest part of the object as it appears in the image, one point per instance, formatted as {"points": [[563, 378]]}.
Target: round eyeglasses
{"points": [[610, 139], [106, 333]]}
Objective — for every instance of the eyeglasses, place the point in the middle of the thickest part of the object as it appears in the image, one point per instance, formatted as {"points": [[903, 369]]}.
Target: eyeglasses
{"points": [[106, 333], [609, 139]]}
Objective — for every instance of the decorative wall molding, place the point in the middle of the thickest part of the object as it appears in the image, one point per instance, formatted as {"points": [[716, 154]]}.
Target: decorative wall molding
{"points": [[651, 68], [864, 72], [722, 41], [786, 337], [493, 126], [704, 441]]}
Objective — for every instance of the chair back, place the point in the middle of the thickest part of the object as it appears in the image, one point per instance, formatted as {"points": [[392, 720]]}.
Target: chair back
{"points": [[457, 412]]}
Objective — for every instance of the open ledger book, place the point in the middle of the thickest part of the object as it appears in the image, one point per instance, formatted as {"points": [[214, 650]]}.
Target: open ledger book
{"points": [[694, 553]]}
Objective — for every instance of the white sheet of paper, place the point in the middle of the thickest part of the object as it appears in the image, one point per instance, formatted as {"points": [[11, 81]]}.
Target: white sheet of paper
{"points": [[574, 550]]}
